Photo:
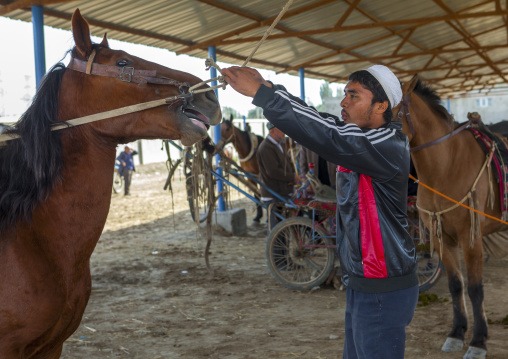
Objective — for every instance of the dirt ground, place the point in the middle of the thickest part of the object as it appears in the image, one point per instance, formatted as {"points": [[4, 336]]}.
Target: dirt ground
{"points": [[153, 297]]}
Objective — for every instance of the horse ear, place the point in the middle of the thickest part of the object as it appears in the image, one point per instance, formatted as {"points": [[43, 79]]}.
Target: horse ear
{"points": [[409, 86], [81, 33], [104, 41]]}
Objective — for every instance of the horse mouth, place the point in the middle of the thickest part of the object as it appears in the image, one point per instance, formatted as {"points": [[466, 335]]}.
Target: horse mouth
{"points": [[197, 118]]}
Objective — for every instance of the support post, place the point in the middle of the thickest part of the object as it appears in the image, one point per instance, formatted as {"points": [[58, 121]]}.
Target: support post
{"points": [[39, 54], [302, 83], [221, 206]]}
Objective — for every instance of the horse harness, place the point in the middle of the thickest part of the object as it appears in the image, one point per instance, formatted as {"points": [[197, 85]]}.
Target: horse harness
{"points": [[404, 110], [126, 74], [436, 216]]}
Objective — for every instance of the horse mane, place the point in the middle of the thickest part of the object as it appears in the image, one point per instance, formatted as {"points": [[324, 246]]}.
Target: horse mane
{"points": [[432, 99], [31, 165]]}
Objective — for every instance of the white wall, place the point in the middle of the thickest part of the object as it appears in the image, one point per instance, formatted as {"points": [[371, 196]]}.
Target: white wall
{"points": [[495, 108]]}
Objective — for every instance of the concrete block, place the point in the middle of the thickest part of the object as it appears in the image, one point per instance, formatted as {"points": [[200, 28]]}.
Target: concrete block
{"points": [[233, 220]]}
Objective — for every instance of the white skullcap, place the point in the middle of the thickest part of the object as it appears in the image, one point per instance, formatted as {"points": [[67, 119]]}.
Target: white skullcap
{"points": [[389, 81]]}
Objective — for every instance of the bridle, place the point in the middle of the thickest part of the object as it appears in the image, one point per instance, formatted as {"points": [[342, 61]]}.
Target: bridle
{"points": [[126, 74], [404, 111]]}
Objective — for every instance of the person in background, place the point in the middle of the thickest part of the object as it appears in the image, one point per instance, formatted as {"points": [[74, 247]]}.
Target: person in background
{"points": [[376, 252], [276, 170], [324, 171], [126, 167]]}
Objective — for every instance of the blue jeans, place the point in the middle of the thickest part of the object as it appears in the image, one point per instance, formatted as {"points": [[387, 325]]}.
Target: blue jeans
{"points": [[376, 323]]}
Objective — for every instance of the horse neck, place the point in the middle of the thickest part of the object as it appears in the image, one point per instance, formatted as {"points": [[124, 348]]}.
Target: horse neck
{"points": [[457, 159], [241, 142], [428, 127], [73, 217]]}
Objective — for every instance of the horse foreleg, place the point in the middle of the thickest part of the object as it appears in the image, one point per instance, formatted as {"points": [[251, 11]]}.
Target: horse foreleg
{"points": [[451, 261], [473, 258]]}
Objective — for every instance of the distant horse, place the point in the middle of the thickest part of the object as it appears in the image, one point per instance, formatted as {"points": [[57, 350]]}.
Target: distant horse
{"points": [[246, 144], [55, 186], [451, 166]]}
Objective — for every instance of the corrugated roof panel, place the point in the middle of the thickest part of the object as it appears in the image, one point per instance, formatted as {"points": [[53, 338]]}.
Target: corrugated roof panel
{"points": [[176, 25]]}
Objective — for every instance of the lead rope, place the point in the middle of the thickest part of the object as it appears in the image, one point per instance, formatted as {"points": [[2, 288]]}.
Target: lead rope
{"points": [[436, 216], [209, 62]]}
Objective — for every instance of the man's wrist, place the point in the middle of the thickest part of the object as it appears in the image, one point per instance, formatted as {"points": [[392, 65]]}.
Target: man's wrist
{"points": [[263, 95]]}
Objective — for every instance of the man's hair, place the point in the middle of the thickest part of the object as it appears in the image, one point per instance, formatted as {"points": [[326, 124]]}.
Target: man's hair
{"points": [[370, 83]]}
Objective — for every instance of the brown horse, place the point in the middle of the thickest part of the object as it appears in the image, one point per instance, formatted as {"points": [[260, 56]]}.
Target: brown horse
{"points": [[55, 186], [243, 144], [451, 167]]}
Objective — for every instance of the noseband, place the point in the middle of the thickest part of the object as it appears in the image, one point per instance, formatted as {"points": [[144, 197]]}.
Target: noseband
{"points": [[404, 110]]}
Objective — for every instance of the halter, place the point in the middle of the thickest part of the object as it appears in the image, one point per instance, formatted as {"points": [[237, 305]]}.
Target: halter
{"points": [[127, 74], [404, 110]]}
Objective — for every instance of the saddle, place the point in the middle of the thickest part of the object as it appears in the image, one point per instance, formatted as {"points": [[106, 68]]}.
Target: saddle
{"points": [[488, 140]]}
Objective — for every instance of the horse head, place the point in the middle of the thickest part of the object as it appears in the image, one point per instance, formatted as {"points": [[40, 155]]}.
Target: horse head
{"points": [[400, 112], [422, 114], [226, 131], [111, 79]]}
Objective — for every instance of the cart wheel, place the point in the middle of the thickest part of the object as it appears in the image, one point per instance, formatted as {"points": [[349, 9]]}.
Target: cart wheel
{"points": [[296, 259], [429, 264], [199, 182], [117, 182]]}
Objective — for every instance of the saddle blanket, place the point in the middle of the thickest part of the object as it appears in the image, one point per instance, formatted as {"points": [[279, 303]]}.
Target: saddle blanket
{"points": [[486, 139]]}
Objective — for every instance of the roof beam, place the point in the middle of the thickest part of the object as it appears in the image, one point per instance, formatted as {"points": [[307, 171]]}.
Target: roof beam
{"points": [[111, 26], [434, 52], [259, 23], [346, 14], [468, 38], [400, 22]]}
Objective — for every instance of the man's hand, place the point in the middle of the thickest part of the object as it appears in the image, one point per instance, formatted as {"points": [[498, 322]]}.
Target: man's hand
{"points": [[244, 80]]}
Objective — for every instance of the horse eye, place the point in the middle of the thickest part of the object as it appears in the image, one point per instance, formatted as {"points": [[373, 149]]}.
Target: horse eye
{"points": [[122, 63]]}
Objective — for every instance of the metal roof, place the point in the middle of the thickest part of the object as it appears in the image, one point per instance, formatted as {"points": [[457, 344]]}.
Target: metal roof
{"points": [[458, 46]]}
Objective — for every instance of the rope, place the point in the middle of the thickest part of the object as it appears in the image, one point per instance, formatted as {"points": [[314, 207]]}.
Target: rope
{"points": [[100, 116], [210, 63], [457, 203], [268, 31]]}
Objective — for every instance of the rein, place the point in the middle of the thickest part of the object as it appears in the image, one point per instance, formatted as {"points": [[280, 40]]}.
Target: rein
{"points": [[126, 74], [404, 110]]}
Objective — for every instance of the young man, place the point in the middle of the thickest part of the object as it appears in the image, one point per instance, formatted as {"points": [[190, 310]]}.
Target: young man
{"points": [[377, 254]]}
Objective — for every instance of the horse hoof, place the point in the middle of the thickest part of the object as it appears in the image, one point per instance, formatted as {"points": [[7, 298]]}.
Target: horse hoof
{"points": [[475, 353], [452, 345]]}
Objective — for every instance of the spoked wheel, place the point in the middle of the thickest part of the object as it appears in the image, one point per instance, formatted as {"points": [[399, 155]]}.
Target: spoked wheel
{"points": [[297, 258], [198, 180], [429, 264]]}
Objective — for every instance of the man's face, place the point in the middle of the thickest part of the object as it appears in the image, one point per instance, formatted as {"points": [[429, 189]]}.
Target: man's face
{"points": [[357, 105], [277, 134], [127, 150]]}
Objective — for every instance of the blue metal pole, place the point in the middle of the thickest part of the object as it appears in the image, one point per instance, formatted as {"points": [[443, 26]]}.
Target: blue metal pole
{"points": [[244, 123], [448, 104], [221, 207], [302, 83], [40, 56]]}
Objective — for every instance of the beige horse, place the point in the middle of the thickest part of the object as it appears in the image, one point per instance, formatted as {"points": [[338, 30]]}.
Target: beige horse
{"points": [[454, 166]]}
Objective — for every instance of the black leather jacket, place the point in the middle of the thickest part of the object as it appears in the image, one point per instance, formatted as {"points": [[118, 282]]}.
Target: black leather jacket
{"points": [[376, 252]]}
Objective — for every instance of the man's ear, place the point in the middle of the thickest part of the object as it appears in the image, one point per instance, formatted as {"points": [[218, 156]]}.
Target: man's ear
{"points": [[380, 107]]}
